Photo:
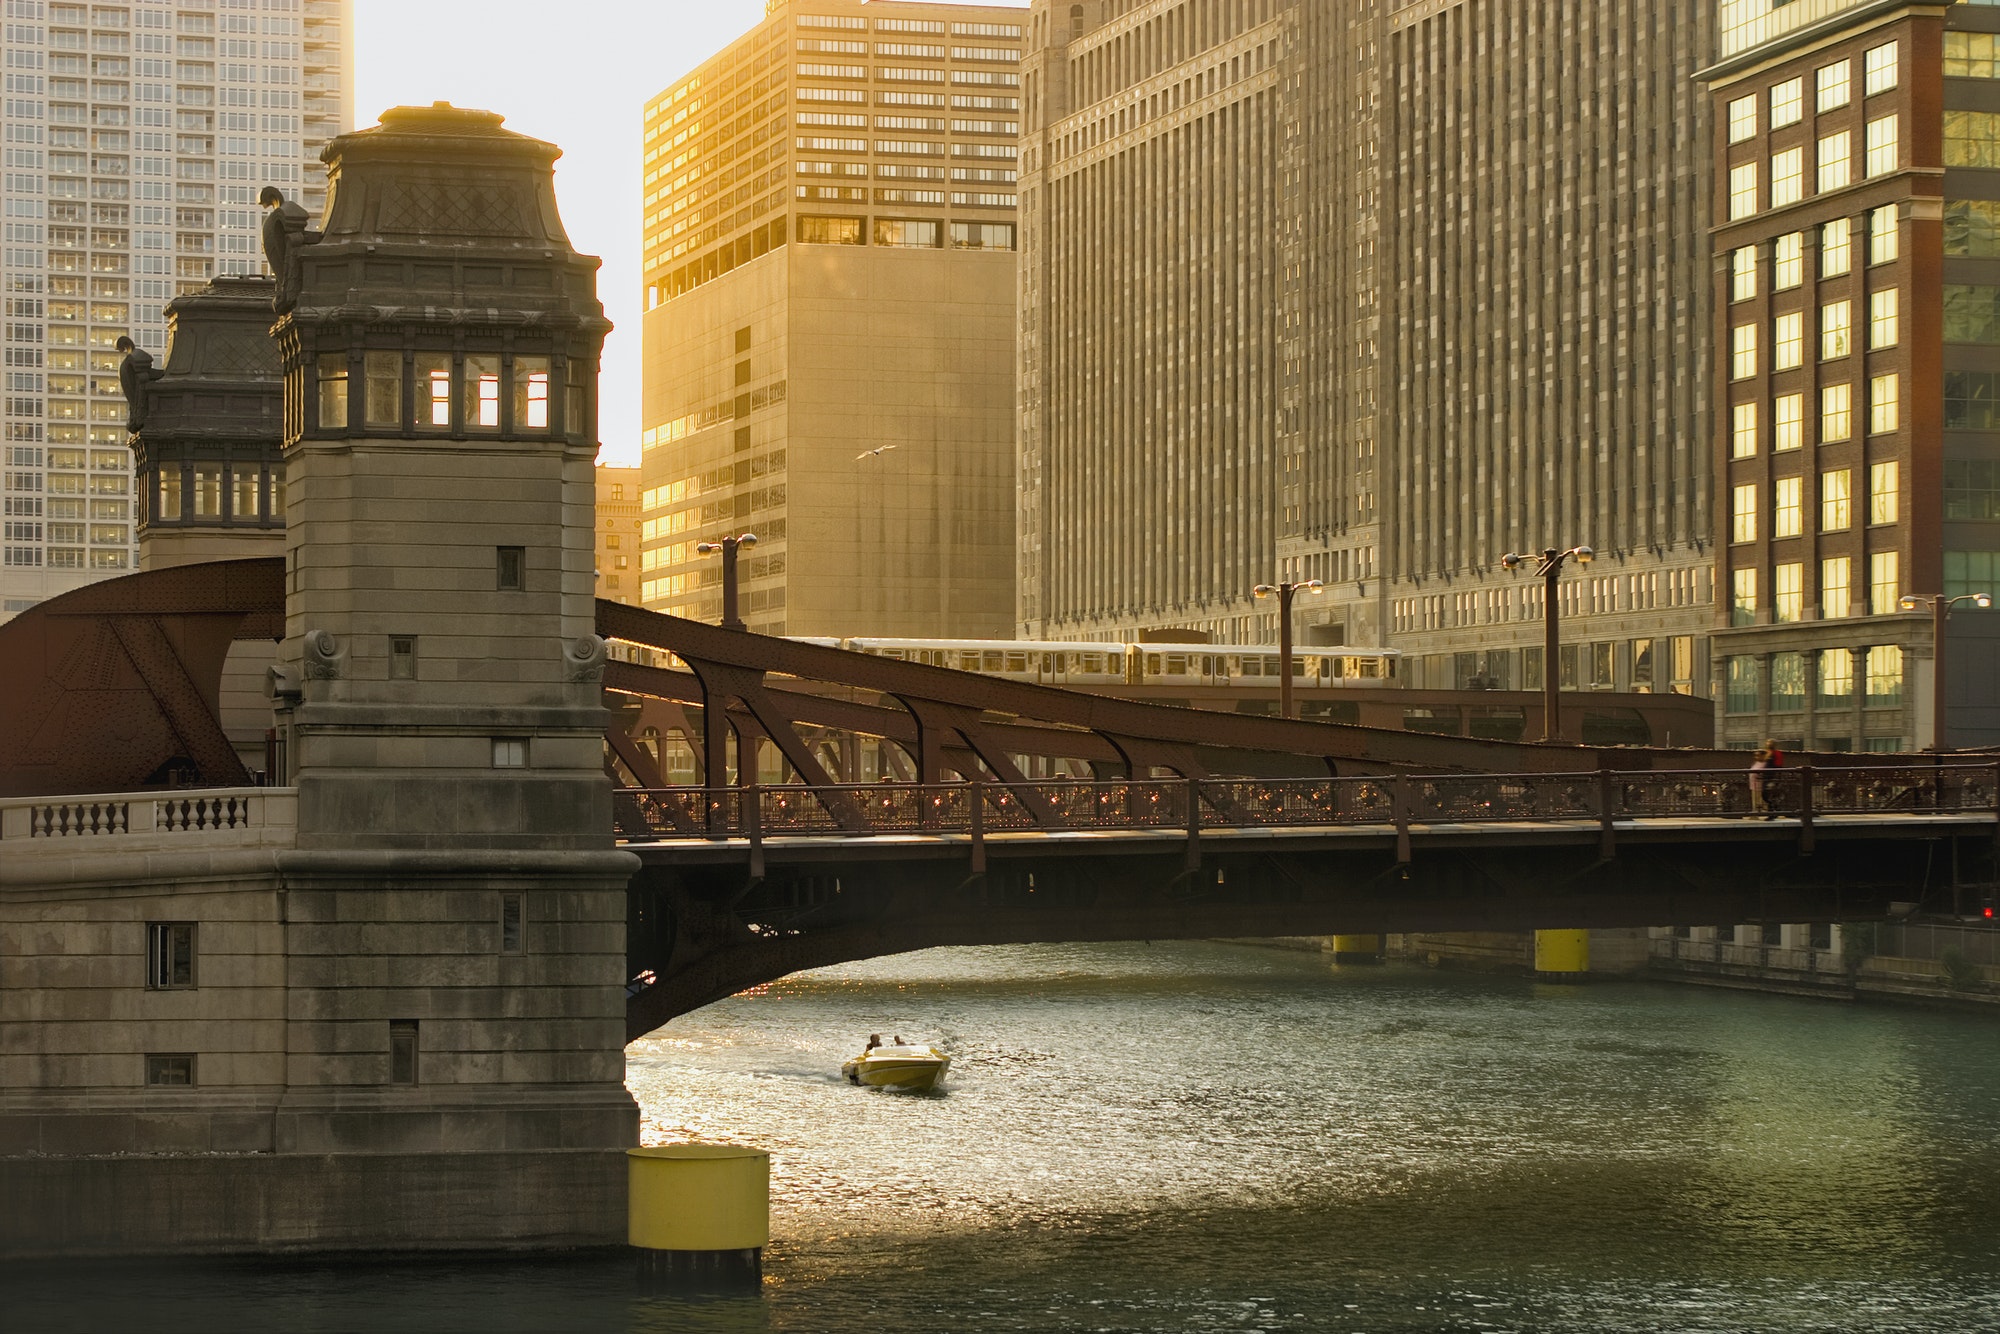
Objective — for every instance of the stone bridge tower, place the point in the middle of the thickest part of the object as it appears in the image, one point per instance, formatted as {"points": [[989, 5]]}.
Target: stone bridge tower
{"points": [[455, 908], [207, 452], [440, 344]]}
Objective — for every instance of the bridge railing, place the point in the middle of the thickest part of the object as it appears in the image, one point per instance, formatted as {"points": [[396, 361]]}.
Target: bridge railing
{"points": [[247, 813], [1604, 797]]}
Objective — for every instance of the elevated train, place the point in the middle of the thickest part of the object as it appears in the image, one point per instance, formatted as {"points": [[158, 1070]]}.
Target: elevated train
{"points": [[1086, 663]]}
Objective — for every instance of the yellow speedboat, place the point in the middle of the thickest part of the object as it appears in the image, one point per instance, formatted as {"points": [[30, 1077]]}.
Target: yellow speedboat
{"points": [[898, 1066]]}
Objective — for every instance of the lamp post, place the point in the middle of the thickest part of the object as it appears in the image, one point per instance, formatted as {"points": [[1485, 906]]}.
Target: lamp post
{"points": [[1552, 562], [1940, 606], [729, 546], [1285, 594]]}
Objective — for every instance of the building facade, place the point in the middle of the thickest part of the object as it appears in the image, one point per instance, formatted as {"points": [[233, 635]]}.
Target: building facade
{"points": [[1857, 450], [1372, 293], [136, 138], [618, 534], [828, 347]]}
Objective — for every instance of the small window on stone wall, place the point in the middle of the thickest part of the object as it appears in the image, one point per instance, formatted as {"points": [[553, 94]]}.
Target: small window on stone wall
{"points": [[170, 955], [402, 1051], [510, 752], [511, 568], [170, 1069], [402, 657], [510, 923], [573, 399]]}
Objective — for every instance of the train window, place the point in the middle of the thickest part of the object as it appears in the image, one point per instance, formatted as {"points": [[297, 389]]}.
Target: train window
{"points": [[1152, 664], [1252, 667], [992, 662], [1092, 662], [1177, 664], [1017, 662], [1048, 664]]}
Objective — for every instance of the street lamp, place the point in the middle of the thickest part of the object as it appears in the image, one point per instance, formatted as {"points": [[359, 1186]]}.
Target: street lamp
{"points": [[1285, 594], [1550, 569], [729, 546], [1940, 606]]}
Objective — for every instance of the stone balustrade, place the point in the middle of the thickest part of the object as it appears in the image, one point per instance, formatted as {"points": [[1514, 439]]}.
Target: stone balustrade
{"points": [[234, 817]]}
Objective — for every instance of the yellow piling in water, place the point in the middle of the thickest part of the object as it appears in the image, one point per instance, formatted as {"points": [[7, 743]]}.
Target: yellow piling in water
{"points": [[1562, 956], [1357, 949], [700, 1214]]}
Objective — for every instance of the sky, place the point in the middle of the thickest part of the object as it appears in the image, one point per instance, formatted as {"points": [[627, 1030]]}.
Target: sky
{"points": [[576, 73]]}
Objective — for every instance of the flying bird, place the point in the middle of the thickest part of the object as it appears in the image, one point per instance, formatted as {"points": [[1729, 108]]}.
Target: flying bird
{"points": [[870, 453]]}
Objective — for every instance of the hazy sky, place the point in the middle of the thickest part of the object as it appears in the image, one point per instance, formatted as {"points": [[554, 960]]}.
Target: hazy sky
{"points": [[577, 74]]}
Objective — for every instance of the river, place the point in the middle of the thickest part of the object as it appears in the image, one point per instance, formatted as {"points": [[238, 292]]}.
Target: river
{"points": [[1212, 1137]]}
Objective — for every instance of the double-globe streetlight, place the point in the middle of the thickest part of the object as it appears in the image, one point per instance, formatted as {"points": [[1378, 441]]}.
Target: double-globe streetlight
{"points": [[1285, 592], [1552, 562], [1940, 606], [729, 546]]}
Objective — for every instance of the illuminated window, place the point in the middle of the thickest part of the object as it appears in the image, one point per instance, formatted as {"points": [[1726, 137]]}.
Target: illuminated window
{"points": [[1788, 598], [829, 231], [1835, 500], [1743, 119], [1836, 248], [1972, 139], [433, 377], [1884, 404], [531, 393], [208, 492], [1836, 674], [1788, 177], [1743, 273], [1836, 160], [1743, 513], [1884, 493], [1787, 261], [1834, 578], [482, 391], [1883, 236], [1788, 341], [1787, 422], [245, 494], [167, 507], [1882, 318], [1787, 510], [1743, 352], [908, 233], [1879, 67], [383, 405], [1788, 102], [1834, 82], [1836, 413], [1884, 583], [1884, 155], [1971, 55], [1885, 674], [1743, 431], [1742, 191], [1836, 329], [333, 392], [1742, 597]]}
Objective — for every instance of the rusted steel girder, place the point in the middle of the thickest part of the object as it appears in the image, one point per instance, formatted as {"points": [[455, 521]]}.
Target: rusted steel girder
{"points": [[115, 686], [1146, 735]]}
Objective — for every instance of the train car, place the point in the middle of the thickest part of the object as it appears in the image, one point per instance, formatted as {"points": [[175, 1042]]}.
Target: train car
{"points": [[1044, 662], [1313, 666]]}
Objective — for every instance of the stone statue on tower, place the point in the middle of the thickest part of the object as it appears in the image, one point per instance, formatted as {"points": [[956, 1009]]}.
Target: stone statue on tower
{"points": [[285, 235]]}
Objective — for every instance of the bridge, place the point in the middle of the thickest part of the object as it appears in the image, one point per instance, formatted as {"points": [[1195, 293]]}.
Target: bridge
{"points": [[337, 860]]}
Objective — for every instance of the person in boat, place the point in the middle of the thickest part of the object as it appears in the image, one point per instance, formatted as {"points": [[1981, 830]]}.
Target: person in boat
{"points": [[874, 1041], [899, 1040]]}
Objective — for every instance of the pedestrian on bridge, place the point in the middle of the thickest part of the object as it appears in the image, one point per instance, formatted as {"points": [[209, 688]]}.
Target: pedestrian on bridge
{"points": [[1766, 758]]}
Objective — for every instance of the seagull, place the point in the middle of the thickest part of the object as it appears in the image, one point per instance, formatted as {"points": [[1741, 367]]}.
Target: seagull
{"points": [[871, 453]]}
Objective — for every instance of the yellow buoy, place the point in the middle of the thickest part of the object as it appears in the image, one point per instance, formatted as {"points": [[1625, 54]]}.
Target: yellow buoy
{"points": [[700, 1214], [1357, 949], [1562, 955]]}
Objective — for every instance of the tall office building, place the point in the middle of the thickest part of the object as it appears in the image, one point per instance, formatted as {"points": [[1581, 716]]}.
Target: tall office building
{"points": [[1373, 293], [1856, 236], [618, 533], [829, 341], [137, 134]]}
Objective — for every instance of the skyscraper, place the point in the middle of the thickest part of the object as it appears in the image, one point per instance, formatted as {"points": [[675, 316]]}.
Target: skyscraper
{"points": [[829, 339], [137, 135], [1372, 293]]}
